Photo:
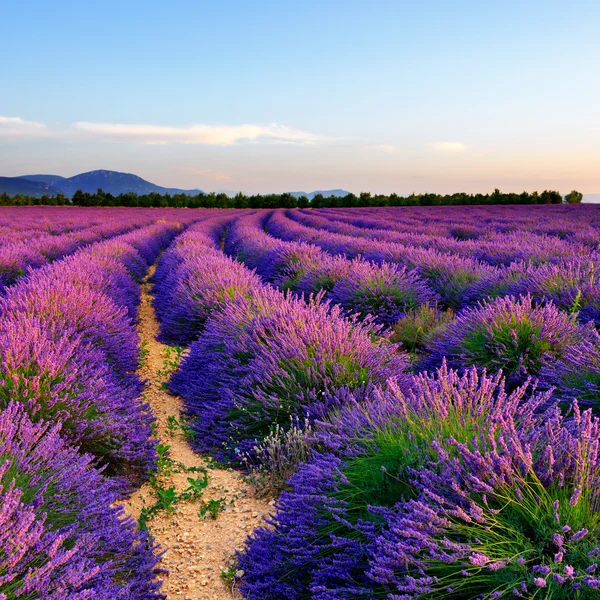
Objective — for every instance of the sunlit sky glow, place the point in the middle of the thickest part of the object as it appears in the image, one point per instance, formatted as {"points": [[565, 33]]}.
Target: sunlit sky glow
{"points": [[277, 96]]}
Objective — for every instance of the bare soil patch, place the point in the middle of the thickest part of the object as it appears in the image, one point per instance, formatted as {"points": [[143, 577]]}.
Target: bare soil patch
{"points": [[198, 549]]}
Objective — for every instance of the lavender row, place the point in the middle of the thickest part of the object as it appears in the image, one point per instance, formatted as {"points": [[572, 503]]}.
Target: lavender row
{"points": [[576, 224], [30, 238], [70, 348], [193, 279], [567, 280], [74, 433], [482, 242], [36, 250], [61, 536], [262, 358], [485, 244], [385, 291], [452, 489], [451, 277]]}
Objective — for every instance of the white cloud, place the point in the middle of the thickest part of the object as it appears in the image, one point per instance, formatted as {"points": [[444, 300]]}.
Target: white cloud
{"points": [[11, 127], [449, 146], [217, 135]]}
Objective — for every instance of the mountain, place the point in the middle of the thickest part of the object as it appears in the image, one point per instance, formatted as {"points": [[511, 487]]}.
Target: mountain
{"points": [[112, 182], [324, 193], [47, 179], [26, 187], [115, 183]]}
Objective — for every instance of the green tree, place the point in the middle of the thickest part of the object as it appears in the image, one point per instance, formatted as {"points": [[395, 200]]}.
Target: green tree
{"points": [[550, 197], [574, 197]]}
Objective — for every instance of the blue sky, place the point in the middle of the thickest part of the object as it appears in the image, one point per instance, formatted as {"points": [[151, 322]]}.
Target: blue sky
{"points": [[273, 96]]}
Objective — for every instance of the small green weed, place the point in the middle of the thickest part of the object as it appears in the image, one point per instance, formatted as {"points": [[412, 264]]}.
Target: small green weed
{"points": [[174, 426], [229, 575], [143, 355], [196, 487], [212, 508]]}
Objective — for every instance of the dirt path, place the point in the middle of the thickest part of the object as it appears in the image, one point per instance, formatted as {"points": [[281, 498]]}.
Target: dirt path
{"points": [[198, 549]]}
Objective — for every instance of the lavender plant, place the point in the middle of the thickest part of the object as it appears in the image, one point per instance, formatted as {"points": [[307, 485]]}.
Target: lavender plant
{"points": [[419, 327], [274, 460], [576, 376], [384, 291], [572, 285], [203, 285], [319, 543], [512, 334], [60, 534], [512, 514], [277, 357], [58, 377]]}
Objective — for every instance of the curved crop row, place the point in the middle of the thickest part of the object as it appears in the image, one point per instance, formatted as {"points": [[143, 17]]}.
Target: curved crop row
{"points": [[61, 537], [385, 291], [74, 433], [580, 225], [34, 252], [262, 358], [566, 276], [69, 351], [449, 276], [453, 489], [469, 240], [193, 279]]}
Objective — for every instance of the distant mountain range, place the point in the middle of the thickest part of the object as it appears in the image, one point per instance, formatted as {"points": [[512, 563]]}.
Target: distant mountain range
{"points": [[27, 187], [112, 182]]}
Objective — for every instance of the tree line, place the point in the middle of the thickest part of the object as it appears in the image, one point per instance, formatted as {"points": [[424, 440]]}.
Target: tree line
{"points": [[240, 200]]}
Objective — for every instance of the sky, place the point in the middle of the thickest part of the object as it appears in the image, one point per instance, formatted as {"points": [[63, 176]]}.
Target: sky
{"points": [[430, 96]]}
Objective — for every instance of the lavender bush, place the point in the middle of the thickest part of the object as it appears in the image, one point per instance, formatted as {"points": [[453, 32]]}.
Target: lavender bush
{"points": [[60, 535], [577, 375], [572, 285], [384, 291], [421, 326], [511, 514], [508, 333], [269, 357], [319, 543]]}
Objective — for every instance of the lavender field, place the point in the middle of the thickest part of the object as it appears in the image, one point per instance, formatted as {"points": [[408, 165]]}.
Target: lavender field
{"points": [[404, 399]]}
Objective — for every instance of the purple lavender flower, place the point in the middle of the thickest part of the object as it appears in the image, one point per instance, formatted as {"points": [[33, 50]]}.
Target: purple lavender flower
{"points": [[60, 535], [194, 280], [508, 333], [577, 374], [572, 285], [58, 376], [268, 357], [496, 497], [320, 540]]}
